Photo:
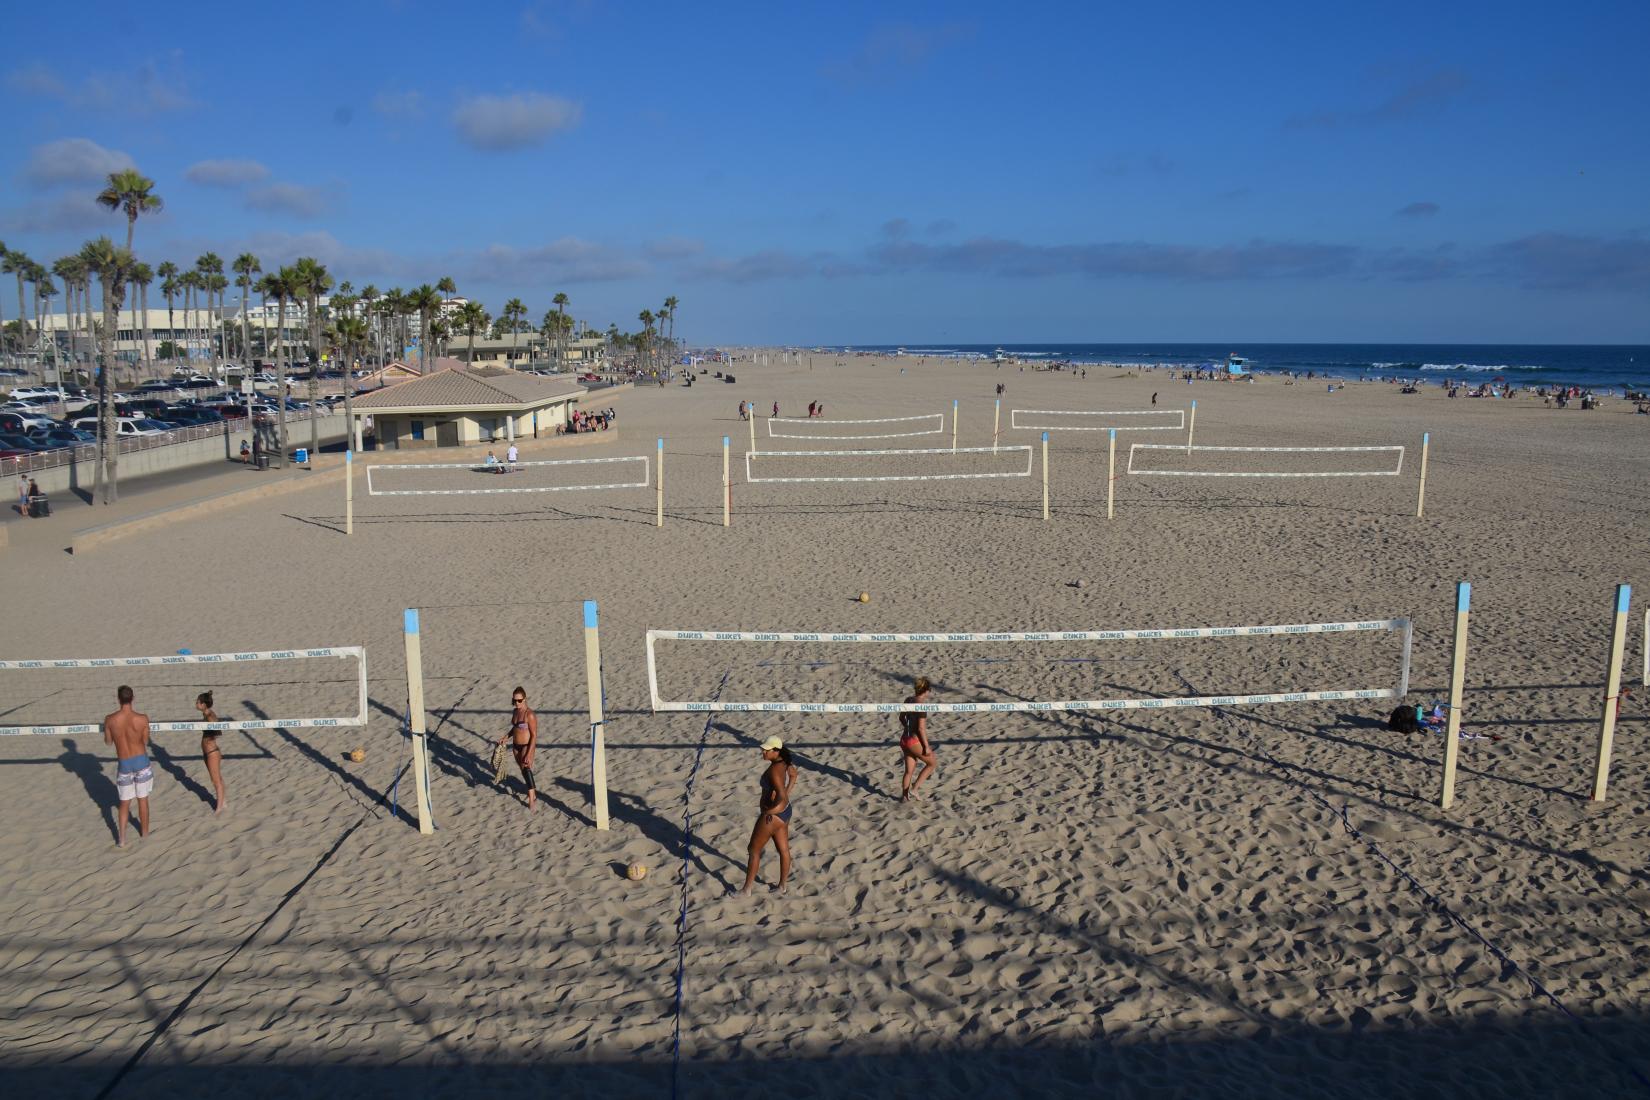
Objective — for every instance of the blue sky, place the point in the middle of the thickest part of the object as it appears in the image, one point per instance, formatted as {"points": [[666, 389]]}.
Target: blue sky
{"points": [[859, 173]]}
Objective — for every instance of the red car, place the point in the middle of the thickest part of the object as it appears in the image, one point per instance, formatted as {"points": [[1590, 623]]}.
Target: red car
{"points": [[587, 377]]}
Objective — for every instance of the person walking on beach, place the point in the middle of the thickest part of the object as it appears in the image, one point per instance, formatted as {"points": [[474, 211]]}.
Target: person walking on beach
{"points": [[511, 456], [210, 753], [776, 409], [23, 495], [524, 737], [914, 746], [773, 817], [128, 732]]}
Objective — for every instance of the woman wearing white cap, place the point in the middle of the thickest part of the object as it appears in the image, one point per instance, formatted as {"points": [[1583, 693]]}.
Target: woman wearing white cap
{"points": [[773, 821]]}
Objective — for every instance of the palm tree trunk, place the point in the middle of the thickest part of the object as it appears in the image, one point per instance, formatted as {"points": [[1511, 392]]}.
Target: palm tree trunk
{"points": [[246, 333], [280, 374], [22, 318], [314, 373], [148, 348], [111, 441]]}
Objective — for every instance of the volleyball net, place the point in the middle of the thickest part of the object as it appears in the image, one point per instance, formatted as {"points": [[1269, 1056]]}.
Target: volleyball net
{"points": [[920, 464], [1097, 420], [1028, 671], [1280, 461], [395, 479], [290, 688], [892, 427]]}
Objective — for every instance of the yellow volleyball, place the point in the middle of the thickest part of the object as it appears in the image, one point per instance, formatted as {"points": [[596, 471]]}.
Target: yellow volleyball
{"points": [[358, 754], [864, 597], [635, 872]]}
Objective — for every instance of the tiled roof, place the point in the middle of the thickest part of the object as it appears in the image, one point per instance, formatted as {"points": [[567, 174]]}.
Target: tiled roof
{"points": [[461, 389]]}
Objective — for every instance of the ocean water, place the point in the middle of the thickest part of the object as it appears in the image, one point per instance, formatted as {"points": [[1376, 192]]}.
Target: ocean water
{"points": [[1598, 367]]}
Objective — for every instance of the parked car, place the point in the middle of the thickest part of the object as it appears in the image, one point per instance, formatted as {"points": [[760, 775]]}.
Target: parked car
{"points": [[152, 407], [190, 415], [23, 422], [62, 437], [158, 386], [17, 441], [124, 425], [22, 392]]}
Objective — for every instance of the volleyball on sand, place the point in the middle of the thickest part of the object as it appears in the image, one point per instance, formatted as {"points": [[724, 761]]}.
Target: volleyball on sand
{"points": [[635, 872], [864, 597], [358, 754]]}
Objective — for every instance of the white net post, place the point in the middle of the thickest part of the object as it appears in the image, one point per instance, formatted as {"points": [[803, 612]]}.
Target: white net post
{"points": [[1612, 694], [1191, 426], [1457, 683], [1111, 471], [349, 492], [659, 487], [1045, 477], [996, 420], [594, 693], [750, 412], [953, 426], [415, 720], [1421, 490], [727, 486]]}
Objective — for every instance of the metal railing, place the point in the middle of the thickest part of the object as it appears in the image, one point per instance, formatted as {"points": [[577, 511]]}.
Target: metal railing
{"points": [[131, 444]]}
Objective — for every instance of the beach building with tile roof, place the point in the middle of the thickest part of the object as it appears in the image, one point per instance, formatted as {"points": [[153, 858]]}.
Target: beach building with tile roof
{"points": [[454, 407]]}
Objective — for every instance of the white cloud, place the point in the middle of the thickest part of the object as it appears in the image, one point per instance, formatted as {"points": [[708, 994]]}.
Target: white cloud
{"points": [[152, 87], [66, 213], [294, 199], [73, 160], [569, 258], [226, 173], [496, 123]]}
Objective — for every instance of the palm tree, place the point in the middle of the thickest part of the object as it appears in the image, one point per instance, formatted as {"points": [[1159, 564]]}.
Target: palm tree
{"points": [[142, 276], [2, 311], [560, 301], [514, 311], [310, 280], [670, 311], [425, 302], [16, 263], [245, 266], [206, 267], [113, 267], [646, 318], [473, 316], [133, 192], [72, 270], [43, 292], [369, 294], [169, 288], [282, 286]]}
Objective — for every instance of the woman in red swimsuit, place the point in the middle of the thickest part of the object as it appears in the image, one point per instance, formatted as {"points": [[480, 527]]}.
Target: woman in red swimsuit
{"points": [[913, 742]]}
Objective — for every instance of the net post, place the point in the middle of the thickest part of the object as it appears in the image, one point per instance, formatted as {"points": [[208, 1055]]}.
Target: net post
{"points": [[1421, 491], [1045, 477], [1191, 426], [727, 487], [750, 409], [659, 487], [415, 718], [1457, 680], [996, 418], [1409, 646], [1111, 471], [598, 714], [953, 425], [1644, 640], [1612, 693], [349, 492]]}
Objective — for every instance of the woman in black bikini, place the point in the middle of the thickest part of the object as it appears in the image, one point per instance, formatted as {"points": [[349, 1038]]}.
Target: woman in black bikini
{"points": [[773, 822], [913, 742], [210, 752], [524, 738]]}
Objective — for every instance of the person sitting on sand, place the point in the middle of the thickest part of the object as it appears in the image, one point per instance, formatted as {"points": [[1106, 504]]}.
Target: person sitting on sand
{"points": [[210, 753], [524, 735], [914, 746], [773, 818], [492, 465]]}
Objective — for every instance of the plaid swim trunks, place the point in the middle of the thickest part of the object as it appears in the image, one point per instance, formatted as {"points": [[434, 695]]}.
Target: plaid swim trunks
{"points": [[134, 778]]}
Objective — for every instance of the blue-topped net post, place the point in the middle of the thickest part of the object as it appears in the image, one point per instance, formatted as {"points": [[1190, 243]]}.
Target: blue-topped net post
{"points": [[598, 713], [1421, 491], [415, 719], [349, 492], [1612, 693], [1457, 684]]}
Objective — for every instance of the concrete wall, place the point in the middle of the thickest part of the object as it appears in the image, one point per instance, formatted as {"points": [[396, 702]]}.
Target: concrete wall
{"points": [[395, 429], [215, 450]]}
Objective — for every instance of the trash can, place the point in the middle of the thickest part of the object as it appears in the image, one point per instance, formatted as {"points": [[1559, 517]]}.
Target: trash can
{"points": [[301, 456], [39, 506]]}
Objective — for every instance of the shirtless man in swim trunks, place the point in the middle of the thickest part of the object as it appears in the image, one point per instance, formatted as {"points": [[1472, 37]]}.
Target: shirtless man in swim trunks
{"points": [[128, 732]]}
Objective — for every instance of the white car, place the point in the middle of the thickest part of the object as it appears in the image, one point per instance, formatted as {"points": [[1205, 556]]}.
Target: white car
{"points": [[124, 425], [33, 392]]}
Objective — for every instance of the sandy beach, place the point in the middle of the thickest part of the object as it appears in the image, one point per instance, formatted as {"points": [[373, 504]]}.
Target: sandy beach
{"points": [[1154, 903]]}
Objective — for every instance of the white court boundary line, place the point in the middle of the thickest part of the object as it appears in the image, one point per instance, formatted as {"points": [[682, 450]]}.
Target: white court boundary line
{"points": [[1265, 450], [355, 651], [480, 468], [786, 420], [1402, 625], [884, 477], [1015, 425]]}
